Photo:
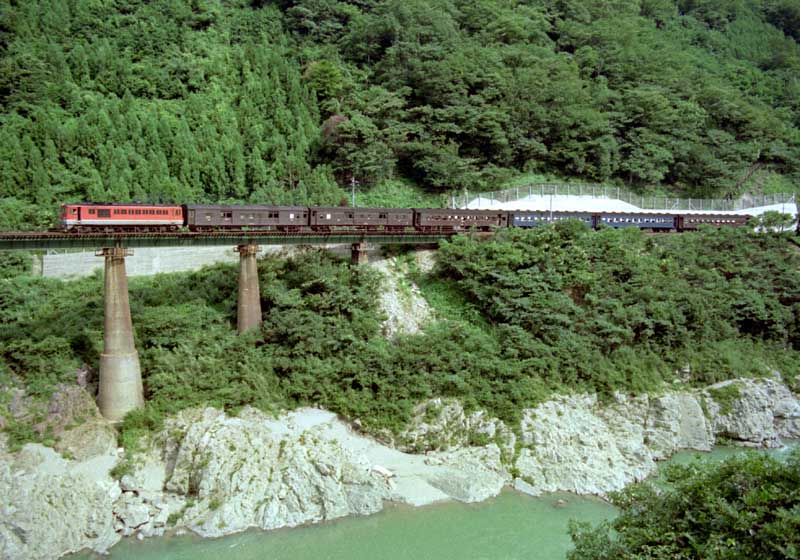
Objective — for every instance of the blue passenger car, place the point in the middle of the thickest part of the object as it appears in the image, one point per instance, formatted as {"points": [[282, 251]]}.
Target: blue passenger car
{"points": [[640, 221], [536, 218]]}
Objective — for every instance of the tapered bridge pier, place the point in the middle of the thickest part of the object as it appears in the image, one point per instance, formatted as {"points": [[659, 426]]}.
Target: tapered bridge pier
{"points": [[248, 312], [120, 376], [358, 253]]}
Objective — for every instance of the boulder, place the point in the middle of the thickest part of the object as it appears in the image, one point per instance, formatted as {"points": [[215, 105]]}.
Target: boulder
{"points": [[470, 474], [90, 439], [572, 446], [442, 424], [677, 421], [754, 411], [243, 473], [47, 515]]}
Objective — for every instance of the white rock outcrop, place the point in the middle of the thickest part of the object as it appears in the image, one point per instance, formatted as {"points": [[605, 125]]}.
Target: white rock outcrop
{"points": [[757, 412], [578, 445], [217, 474], [472, 474], [50, 506], [400, 299], [677, 421], [570, 446], [443, 424], [249, 472]]}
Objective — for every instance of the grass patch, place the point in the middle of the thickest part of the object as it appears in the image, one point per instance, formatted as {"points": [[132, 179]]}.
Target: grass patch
{"points": [[726, 396]]}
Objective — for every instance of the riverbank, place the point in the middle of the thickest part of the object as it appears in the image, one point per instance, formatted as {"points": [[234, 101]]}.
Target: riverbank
{"points": [[216, 474], [510, 526]]}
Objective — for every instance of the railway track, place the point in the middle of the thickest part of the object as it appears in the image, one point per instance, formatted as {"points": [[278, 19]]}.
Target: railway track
{"points": [[61, 240]]}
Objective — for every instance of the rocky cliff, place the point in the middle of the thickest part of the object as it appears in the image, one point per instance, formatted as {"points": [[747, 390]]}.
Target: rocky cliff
{"points": [[575, 443], [216, 474]]}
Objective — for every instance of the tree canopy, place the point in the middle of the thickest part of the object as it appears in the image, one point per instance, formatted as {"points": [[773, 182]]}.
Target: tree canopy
{"points": [[277, 102]]}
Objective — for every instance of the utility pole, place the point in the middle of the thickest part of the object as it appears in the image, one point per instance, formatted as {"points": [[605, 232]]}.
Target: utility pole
{"points": [[353, 184]]}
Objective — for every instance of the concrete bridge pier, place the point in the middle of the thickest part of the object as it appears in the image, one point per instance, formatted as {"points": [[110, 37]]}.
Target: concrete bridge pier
{"points": [[248, 313], [358, 253], [120, 377]]}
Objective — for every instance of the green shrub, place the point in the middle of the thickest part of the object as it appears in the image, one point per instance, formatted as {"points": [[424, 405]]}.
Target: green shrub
{"points": [[122, 468], [747, 507], [20, 433], [725, 397]]}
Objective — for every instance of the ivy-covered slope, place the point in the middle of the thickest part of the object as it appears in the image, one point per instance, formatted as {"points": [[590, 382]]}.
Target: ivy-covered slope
{"points": [[557, 310], [277, 102]]}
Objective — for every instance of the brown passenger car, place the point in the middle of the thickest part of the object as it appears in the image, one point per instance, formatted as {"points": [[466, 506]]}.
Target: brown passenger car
{"points": [[359, 218], [202, 216], [456, 219], [693, 221]]}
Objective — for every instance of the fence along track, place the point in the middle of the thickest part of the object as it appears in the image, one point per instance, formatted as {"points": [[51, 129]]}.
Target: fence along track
{"points": [[513, 194]]}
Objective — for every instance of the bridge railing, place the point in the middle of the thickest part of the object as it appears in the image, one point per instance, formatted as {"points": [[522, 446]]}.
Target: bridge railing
{"points": [[523, 192]]}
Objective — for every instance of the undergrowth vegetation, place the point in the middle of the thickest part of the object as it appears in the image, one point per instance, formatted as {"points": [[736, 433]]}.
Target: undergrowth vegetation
{"points": [[526, 314], [748, 507]]}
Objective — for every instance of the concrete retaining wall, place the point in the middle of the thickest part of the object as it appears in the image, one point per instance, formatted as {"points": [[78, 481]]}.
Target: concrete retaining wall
{"points": [[149, 261]]}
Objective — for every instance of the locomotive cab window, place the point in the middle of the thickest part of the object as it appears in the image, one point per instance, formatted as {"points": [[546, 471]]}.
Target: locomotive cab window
{"points": [[227, 215], [103, 213]]}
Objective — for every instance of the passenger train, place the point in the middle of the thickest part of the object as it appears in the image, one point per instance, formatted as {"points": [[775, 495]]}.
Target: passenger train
{"points": [[96, 217]]}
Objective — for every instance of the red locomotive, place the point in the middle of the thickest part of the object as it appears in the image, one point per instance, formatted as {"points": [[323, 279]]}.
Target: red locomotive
{"points": [[121, 217]]}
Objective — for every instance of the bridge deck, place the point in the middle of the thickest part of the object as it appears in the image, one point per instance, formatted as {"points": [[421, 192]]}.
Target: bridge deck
{"points": [[57, 240]]}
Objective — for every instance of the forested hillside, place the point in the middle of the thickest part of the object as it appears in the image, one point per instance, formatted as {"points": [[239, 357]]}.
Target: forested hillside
{"points": [[278, 102]]}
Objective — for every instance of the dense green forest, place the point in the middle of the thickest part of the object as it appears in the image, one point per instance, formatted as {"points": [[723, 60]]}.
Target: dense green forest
{"points": [[748, 507], [557, 309], [290, 101]]}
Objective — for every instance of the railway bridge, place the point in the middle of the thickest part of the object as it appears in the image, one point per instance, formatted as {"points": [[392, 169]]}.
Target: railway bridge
{"points": [[120, 388]]}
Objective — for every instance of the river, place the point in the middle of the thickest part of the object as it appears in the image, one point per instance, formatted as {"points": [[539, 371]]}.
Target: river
{"points": [[511, 526]]}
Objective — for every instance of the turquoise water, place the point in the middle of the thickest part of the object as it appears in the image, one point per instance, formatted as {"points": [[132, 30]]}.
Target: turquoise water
{"points": [[510, 527]]}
